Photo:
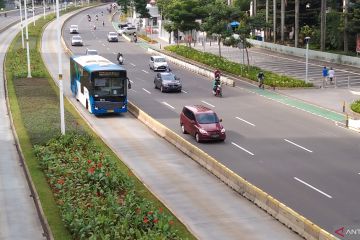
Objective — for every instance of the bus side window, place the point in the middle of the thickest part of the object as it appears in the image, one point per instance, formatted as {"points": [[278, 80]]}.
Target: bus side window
{"points": [[84, 81]]}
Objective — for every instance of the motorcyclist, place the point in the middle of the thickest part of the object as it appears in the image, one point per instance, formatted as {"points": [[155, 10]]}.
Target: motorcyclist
{"points": [[120, 58], [216, 83], [135, 38], [261, 78], [217, 73], [97, 18]]}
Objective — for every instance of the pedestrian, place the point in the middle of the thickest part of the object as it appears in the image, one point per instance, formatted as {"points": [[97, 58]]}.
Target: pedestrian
{"points": [[261, 78], [325, 74], [331, 75]]}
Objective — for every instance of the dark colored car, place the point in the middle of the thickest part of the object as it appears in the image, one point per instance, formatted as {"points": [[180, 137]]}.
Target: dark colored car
{"points": [[201, 122], [167, 82]]}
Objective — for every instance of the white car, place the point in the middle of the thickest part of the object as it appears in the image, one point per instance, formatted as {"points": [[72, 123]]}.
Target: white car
{"points": [[158, 63], [77, 41], [91, 52], [112, 37], [127, 30], [74, 29]]}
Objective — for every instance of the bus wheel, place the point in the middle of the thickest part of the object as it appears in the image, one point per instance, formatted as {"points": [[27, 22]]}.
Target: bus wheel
{"points": [[87, 104]]}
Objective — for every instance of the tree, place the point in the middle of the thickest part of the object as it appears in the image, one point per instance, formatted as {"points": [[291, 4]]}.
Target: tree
{"points": [[345, 10], [217, 23], [139, 5], [297, 4], [282, 26], [182, 14], [323, 25]]}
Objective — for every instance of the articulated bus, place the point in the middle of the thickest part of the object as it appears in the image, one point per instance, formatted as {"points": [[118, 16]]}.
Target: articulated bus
{"points": [[98, 84]]}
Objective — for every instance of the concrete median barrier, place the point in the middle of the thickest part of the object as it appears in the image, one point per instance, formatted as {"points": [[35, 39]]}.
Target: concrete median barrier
{"points": [[278, 210], [191, 67]]}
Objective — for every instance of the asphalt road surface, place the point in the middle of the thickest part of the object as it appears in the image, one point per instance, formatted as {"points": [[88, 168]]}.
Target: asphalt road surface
{"points": [[194, 195], [305, 161]]}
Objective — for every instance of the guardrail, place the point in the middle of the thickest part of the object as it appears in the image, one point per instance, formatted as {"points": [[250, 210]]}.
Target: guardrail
{"points": [[272, 206]]}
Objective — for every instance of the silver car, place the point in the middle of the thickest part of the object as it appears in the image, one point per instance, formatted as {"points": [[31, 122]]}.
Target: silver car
{"points": [[112, 37], [74, 29], [158, 63], [77, 41]]}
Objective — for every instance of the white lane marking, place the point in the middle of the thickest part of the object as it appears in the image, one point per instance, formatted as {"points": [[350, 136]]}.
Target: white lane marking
{"points": [[165, 103], [208, 104], [145, 71], [297, 145], [146, 91], [103, 45], [132, 64], [131, 81], [355, 93], [184, 91], [133, 90], [242, 148], [327, 195], [246, 121]]}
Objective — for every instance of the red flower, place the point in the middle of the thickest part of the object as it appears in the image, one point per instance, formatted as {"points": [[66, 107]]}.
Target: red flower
{"points": [[61, 181], [160, 210], [107, 174], [89, 161], [146, 220], [171, 222], [150, 213], [99, 165], [91, 170], [155, 220]]}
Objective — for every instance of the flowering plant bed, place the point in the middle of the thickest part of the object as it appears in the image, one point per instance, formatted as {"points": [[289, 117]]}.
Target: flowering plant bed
{"points": [[148, 39], [250, 72], [96, 199]]}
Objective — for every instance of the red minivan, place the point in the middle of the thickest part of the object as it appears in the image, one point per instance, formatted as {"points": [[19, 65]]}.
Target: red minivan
{"points": [[201, 122]]}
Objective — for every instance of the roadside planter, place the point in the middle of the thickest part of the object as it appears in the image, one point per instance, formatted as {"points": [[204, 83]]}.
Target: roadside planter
{"points": [[250, 72], [96, 200]]}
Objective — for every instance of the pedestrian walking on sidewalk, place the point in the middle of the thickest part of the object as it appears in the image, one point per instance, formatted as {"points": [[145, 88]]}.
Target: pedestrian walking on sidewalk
{"points": [[331, 75], [325, 74], [261, 78]]}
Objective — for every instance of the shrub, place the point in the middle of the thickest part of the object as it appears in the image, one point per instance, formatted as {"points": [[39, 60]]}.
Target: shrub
{"points": [[271, 79], [148, 39], [355, 106], [96, 200]]}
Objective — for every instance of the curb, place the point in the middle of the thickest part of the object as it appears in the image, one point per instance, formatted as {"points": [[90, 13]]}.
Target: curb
{"points": [[273, 207]]}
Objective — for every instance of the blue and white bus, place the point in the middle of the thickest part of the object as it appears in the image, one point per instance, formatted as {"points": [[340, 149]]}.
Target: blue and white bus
{"points": [[98, 84]]}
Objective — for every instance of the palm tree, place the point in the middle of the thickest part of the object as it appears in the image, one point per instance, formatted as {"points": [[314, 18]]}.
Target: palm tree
{"points": [[282, 20], [267, 17], [345, 11], [323, 25], [296, 22], [274, 20]]}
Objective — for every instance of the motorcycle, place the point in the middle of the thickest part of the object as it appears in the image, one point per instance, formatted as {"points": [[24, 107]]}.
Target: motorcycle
{"points": [[121, 60], [217, 91]]}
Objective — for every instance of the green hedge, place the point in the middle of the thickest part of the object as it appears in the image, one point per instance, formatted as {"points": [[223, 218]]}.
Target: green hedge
{"points": [[96, 200], [355, 106], [271, 79]]}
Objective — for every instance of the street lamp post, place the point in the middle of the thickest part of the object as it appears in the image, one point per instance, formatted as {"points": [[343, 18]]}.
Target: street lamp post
{"points": [[62, 117], [307, 39], [27, 42], [21, 26], [44, 8], [33, 12]]}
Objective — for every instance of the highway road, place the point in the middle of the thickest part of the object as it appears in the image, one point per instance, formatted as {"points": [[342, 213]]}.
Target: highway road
{"points": [[303, 160], [188, 190], [346, 76]]}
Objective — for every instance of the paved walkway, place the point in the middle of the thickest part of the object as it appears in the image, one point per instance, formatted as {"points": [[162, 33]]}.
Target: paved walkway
{"points": [[18, 216]]}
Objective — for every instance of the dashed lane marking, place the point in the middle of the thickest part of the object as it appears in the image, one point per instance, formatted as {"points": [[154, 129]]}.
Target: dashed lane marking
{"points": [[298, 145], [146, 91], [312, 187], [208, 104], [165, 103], [245, 150], [246, 121]]}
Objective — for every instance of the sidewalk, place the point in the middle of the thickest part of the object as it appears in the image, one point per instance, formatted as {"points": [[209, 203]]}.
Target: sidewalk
{"points": [[18, 216]]}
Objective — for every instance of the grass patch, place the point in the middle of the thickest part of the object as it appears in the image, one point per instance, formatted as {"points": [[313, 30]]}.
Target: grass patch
{"points": [[355, 106], [147, 39], [34, 105], [250, 72]]}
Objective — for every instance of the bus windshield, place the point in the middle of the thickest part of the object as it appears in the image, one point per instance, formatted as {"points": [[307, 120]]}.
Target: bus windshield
{"points": [[106, 86]]}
